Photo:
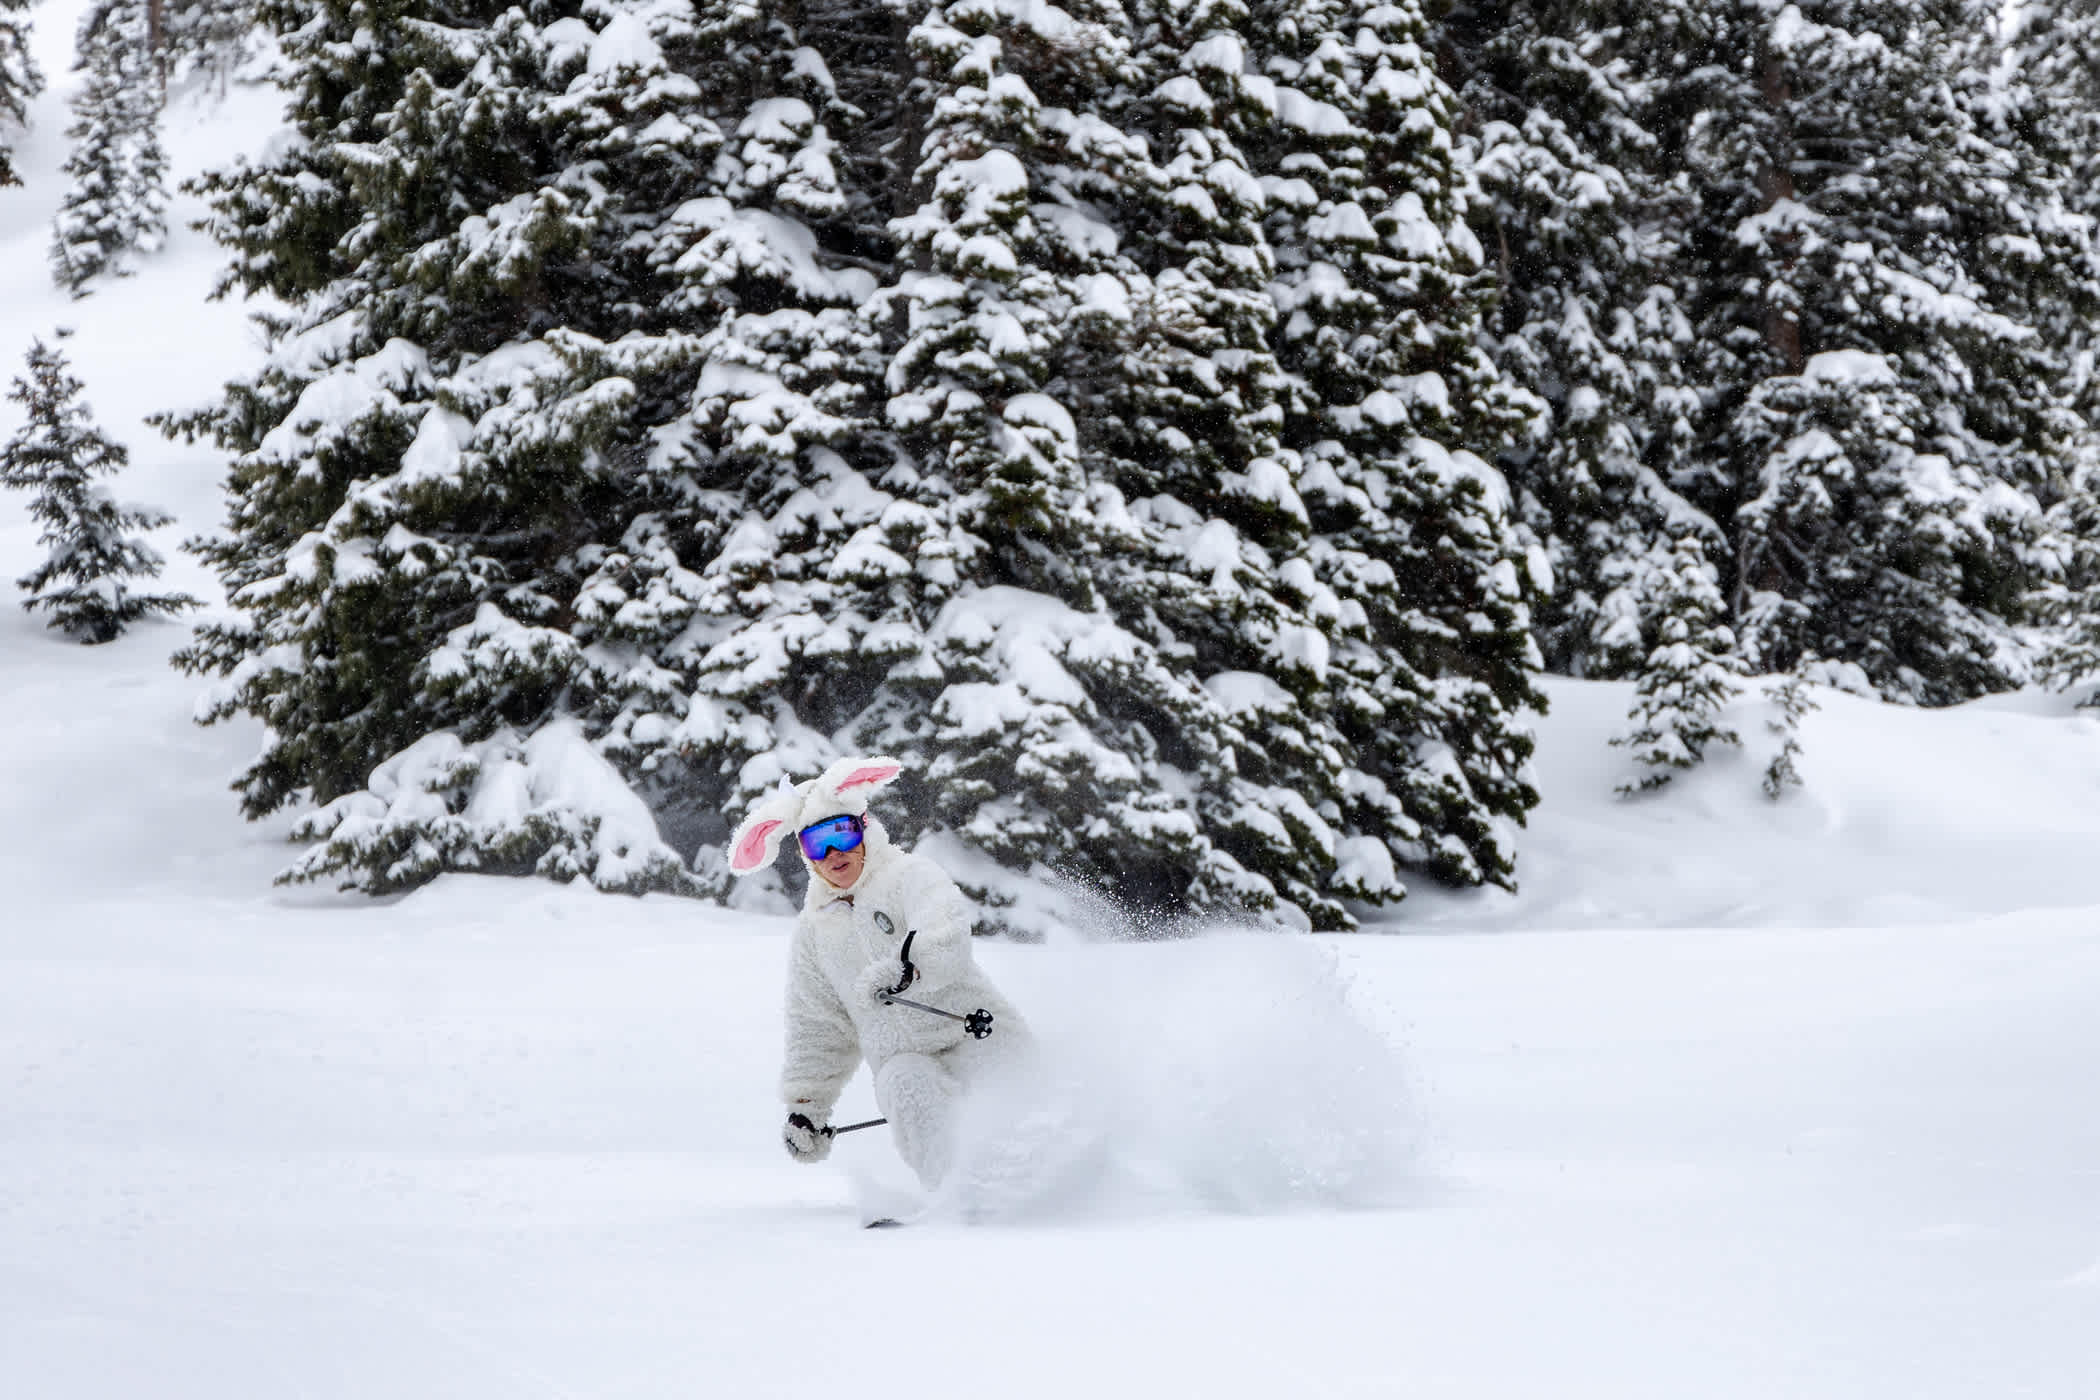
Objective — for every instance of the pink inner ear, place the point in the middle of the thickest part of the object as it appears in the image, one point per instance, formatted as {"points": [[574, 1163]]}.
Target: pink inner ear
{"points": [[751, 851], [880, 773]]}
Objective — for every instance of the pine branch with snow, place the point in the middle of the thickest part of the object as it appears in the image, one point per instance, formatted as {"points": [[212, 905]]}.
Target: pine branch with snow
{"points": [[1791, 697], [1418, 580], [547, 805], [1889, 400], [445, 471], [1582, 211]]}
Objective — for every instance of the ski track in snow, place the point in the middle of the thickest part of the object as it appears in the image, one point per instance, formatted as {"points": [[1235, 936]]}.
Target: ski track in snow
{"points": [[1734, 1099]]}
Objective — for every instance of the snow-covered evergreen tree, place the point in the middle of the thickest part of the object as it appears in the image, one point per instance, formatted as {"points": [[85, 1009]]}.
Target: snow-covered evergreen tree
{"points": [[116, 201], [1313, 710], [1581, 206], [1689, 677], [1051, 702], [673, 398], [1871, 544], [461, 478], [1713, 196], [19, 79], [1189, 433], [58, 453], [2048, 103], [782, 586], [1792, 703], [1381, 287], [1884, 411]]}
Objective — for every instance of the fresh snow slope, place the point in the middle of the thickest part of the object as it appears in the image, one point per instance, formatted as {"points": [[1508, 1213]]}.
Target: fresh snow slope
{"points": [[500, 1138], [1904, 816], [1735, 1099]]}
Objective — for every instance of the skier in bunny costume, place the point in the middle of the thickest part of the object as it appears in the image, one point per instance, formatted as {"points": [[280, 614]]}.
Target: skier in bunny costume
{"points": [[865, 898]]}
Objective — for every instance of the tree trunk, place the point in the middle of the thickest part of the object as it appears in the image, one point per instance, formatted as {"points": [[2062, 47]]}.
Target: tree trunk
{"points": [[1775, 182], [157, 44]]}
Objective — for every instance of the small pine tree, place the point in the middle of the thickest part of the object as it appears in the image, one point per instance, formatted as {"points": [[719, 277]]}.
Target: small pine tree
{"points": [[1790, 695], [117, 200], [19, 78], [57, 453], [1688, 677]]}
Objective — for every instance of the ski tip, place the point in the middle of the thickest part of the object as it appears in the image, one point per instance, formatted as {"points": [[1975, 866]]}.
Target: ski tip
{"points": [[882, 1223]]}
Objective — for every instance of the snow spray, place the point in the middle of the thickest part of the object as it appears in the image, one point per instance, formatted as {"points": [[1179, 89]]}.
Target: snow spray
{"points": [[1225, 1071]]}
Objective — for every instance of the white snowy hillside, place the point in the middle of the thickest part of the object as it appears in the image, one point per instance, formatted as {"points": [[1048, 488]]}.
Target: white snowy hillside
{"points": [[1735, 1099], [503, 1137]]}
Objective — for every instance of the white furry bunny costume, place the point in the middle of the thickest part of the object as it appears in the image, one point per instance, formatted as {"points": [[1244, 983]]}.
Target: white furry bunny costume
{"points": [[846, 951]]}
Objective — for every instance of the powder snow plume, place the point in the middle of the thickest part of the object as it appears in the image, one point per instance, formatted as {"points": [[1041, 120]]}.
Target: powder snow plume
{"points": [[1225, 1071]]}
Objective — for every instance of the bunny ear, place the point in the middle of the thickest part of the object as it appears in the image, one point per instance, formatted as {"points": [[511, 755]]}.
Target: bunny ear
{"points": [[852, 773], [758, 838], [755, 845]]}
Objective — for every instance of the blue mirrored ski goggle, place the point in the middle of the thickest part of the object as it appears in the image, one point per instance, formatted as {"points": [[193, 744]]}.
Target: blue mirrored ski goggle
{"points": [[820, 839]]}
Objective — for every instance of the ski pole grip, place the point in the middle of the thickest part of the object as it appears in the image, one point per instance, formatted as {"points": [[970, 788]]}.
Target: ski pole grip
{"points": [[910, 973]]}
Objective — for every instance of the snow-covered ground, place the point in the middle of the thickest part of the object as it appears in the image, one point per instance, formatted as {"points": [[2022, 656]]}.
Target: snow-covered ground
{"points": [[1784, 1101]]}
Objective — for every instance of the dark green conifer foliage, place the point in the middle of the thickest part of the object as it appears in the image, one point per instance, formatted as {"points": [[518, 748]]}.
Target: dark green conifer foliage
{"points": [[1688, 678], [58, 453], [20, 79], [1884, 409], [1392, 411], [446, 472], [1582, 210], [683, 398], [2050, 110], [1792, 703]]}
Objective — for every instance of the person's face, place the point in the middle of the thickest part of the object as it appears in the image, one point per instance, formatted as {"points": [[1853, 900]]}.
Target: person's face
{"points": [[841, 868]]}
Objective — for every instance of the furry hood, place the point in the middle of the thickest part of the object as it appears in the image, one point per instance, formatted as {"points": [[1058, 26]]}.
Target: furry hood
{"points": [[843, 788]]}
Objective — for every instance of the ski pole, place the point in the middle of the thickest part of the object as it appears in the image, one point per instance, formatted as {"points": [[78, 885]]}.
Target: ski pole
{"points": [[855, 1127], [978, 1023]]}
